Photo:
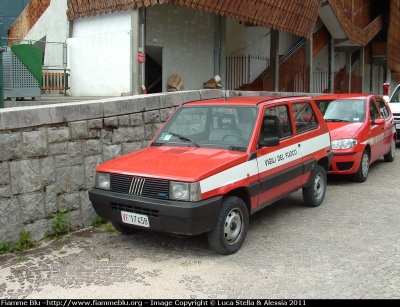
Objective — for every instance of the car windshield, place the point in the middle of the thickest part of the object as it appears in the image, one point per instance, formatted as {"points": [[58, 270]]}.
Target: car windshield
{"points": [[343, 110], [395, 96], [224, 126]]}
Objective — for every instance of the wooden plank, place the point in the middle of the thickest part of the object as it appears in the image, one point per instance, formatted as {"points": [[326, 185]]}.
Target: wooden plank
{"points": [[125, 5], [118, 5], [111, 6], [99, 4], [194, 4], [235, 10], [256, 12], [71, 10], [218, 7], [249, 10], [207, 6], [92, 11], [224, 8], [81, 9], [201, 4], [132, 4]]}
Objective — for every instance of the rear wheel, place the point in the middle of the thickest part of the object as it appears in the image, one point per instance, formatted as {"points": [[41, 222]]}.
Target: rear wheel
{"points": [[231, 227], [389, 157], [126, 230], [362, 172], [315, 194]]}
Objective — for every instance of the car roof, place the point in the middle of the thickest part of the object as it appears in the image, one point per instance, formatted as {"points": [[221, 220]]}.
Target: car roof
{"points": [[244, 100], [344, 96]]}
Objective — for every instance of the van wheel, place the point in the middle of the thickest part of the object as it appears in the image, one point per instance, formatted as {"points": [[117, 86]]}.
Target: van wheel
{"points": [[231, 227], [362, 172], [389, 157], [314, 194], [126, 230]]}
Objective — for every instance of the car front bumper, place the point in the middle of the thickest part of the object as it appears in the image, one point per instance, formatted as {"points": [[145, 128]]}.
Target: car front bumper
{"points": [[345, 162], [177, 217]]}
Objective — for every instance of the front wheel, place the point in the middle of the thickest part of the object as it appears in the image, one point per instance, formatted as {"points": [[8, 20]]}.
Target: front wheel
{"points": [[231, 227], [315, 194], [363, 169], [126, 230], [389, 157]]}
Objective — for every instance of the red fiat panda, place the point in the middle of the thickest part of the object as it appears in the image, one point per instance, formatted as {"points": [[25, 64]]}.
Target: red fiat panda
{"points": [[215, 162], [362, 130]]}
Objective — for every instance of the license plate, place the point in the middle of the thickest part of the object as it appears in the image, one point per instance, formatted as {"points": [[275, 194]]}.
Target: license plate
{"points": [[135, 219], [397, 126]]}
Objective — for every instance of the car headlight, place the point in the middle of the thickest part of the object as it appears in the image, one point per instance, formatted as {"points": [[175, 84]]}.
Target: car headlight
{"points": [[102, 181], [343, 143], [184, 191]]}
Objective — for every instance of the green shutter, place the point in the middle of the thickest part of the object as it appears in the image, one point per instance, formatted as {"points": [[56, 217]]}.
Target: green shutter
{"points": [[32, 57]]}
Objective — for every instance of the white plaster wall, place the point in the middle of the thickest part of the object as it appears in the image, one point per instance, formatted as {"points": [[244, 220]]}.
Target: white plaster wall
{"points": [[99, 55], [53, 25], [187, 39]]}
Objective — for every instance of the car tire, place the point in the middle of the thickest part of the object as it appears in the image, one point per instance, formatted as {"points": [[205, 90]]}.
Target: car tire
{"points": [[231, 226], [363, 169], [389, 157], [126, 230], [315, 193]]}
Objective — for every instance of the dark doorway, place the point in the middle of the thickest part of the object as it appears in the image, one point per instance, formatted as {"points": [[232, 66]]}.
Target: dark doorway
{"points": [[153, 69]]}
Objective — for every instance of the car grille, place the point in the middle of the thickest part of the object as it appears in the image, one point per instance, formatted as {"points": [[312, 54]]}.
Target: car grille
{"points": [[147, 187], [134, 209], [344, 166]]}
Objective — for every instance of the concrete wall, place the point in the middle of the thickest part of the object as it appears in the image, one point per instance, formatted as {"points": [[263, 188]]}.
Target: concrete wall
{"points": [[187, 39]]}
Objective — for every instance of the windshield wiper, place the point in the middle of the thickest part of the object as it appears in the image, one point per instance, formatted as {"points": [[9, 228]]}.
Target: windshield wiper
{"points": [[183, 138], [336, 120]]}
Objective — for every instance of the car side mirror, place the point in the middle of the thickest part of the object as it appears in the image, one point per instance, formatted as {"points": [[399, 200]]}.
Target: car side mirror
{"points": [[378, 121], [270, 141]]}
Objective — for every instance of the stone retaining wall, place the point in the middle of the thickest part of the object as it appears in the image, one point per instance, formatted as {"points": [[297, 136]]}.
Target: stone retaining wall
{"points": [[48, 154]]}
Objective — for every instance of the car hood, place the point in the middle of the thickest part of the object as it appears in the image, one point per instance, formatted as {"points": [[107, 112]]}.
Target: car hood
{"points": [[394, 107], [343, 130], [174, 163]]}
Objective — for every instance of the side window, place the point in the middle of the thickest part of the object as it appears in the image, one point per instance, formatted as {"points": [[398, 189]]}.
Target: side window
{"points": [[276, 122], [304, 117], [382, 107], [373, 110]]}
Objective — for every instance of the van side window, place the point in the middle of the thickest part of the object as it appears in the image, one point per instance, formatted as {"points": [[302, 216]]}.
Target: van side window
{"points": [[304, 117], [373, 110], [276, 122], [382, 108]]}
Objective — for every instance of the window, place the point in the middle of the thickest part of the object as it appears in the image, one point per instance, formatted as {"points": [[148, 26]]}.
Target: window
{"points": [[373, 110], [382, 107], [304, 117], [276, 123]]}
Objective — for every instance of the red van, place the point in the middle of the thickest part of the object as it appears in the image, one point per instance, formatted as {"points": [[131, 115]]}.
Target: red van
{"points": [[214, 163]]}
